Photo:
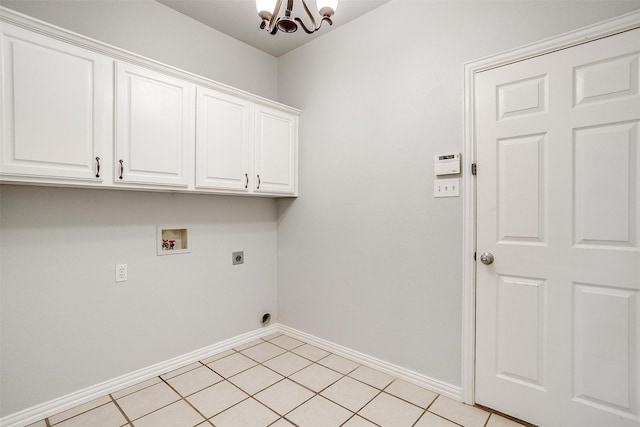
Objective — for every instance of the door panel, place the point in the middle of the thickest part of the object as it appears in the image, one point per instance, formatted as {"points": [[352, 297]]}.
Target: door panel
{"points": [[557, 205], [602, 215]]}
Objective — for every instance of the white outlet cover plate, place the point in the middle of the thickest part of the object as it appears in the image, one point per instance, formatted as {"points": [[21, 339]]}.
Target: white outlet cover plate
{"points": [[446, 187]]}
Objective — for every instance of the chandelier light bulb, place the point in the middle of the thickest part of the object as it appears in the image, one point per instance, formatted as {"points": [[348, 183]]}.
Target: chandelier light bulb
{"points": [[265, 5], [324, 5]]}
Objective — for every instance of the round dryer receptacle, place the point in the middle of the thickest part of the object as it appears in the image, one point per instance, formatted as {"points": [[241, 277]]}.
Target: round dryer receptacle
{"points": [[265, 318]]}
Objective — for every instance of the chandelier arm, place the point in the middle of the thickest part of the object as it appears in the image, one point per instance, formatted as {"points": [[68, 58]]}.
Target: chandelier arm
{"points": [[304, 27], [289, 9], [307, 30], [310, 15], [274, 18]]}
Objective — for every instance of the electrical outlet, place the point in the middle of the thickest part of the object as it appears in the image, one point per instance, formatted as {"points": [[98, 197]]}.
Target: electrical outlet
{"points": [[121, 272], [237, 257], [446, 187]]}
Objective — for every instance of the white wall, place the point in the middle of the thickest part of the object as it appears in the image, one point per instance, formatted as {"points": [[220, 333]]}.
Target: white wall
{"points": [[155, 31], [64, 323], [367, 258]]}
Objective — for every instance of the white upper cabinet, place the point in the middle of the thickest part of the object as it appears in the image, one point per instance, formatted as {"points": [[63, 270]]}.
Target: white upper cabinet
{"points": [[77, 112], [56, 109], [154, 127], [244, 147], [275, 158], [223, 136]]}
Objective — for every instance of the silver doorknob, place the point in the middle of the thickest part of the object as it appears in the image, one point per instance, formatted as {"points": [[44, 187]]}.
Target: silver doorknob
{"points": [[486, 258]]}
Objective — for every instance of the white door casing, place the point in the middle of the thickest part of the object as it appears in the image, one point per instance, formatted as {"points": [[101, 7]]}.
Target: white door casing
{"points": [[557, 320]]}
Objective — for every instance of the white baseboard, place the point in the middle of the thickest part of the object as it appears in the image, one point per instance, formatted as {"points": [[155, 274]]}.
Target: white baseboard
{"points": [[47, 409], [423, 381], [55, 406]]}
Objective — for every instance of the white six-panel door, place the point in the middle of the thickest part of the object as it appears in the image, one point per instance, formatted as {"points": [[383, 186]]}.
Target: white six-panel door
{"points": [[558, 206]]}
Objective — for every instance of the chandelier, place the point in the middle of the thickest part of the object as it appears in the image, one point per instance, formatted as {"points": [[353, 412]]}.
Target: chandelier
{"points": [[269, 10]]}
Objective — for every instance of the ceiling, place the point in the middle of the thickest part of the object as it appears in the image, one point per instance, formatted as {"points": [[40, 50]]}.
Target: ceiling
{"points": [[239, 19]]}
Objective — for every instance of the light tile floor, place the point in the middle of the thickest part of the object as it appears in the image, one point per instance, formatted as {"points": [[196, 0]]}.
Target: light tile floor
{"points": [[276, 381]]}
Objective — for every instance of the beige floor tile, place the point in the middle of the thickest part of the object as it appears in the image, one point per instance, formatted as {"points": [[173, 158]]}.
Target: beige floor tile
{"points": [[287, 363], [263, 352], [310, 352], [248, 413], [358, 421], [217, 398], [319, 412], [282, 423], [411, 393], [217, 356], [40, 423], [55, 419], [147, 400], [372, 377], [231, 365], [459, 412], [338, 363], [136, 387], [178, 414], [180, 371], [194, 380], [284, 396], [271, 336], [389, 411], [286, 342], [432, 420], [104, 416], [496, 420], [248, 344], [255, 379], [316, 377], [350, 393]]}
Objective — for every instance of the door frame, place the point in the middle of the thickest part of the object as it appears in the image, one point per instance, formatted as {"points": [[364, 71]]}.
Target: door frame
{"points": [[587, 34]]}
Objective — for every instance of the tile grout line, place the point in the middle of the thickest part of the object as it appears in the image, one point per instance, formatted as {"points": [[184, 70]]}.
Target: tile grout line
{"points": [[184, 398], [441, 416], [48, 421], [121, 410]]}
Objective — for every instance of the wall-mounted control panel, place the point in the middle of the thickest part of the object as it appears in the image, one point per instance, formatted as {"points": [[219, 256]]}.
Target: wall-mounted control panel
{"points": [[446, 163]]}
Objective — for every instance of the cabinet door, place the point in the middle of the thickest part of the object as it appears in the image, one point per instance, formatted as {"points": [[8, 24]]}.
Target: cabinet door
{"points": [[222, 141], [154, 127], [56, 104], [276, 143]]}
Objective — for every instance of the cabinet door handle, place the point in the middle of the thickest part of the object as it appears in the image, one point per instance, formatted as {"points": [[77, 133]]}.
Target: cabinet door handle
{"points": [[97, 167], [121, 168], [258, 182], [246, 185]]}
